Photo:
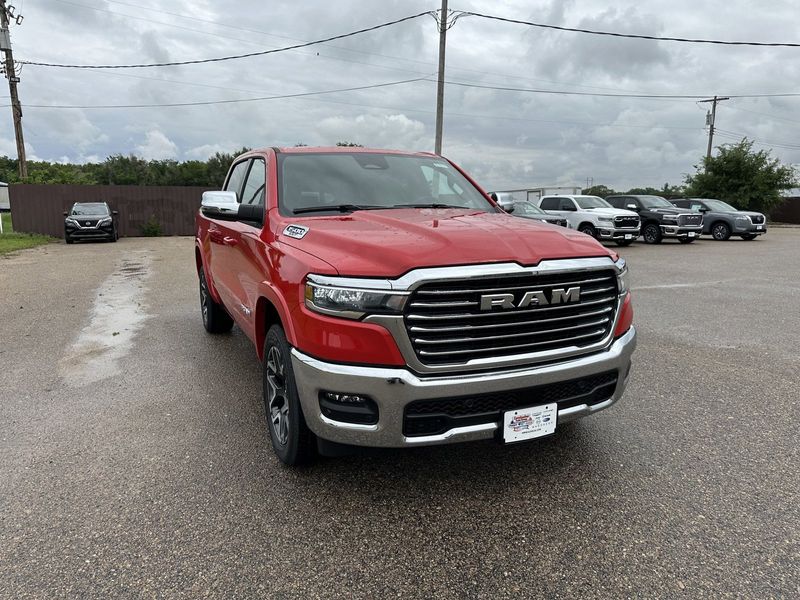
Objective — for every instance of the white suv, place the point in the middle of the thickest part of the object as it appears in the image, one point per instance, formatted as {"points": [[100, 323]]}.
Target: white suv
{"points": [[595, 217]]}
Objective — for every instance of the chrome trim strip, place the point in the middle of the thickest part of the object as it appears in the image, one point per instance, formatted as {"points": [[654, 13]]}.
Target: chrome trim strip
{"points": [[450, 433], [511, 289], [512, 347], [418, 329], [351, 426], [509, 313], [468, 340]]}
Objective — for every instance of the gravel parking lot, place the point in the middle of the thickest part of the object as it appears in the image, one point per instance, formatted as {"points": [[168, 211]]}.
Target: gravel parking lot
{"points": [[134, 460]]}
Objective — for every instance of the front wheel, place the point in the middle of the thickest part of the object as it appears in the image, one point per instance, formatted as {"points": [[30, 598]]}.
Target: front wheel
{"points": [[720, 232], [623, 242], [215, 319], [749, 236], [68, 239], [651, 234], [686, 240], [588, 230], [292, 440]]}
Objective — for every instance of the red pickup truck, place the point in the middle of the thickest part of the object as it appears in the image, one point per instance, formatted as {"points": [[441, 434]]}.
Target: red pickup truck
{"points": [[393, 303]]}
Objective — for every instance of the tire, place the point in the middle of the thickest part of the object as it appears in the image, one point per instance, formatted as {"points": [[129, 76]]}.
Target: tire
{"points": [[651, 234], [749, 236], [588, 230], [116, 236], [68, 239], [292, 440], [686, 240], [215, 319], [720, 231], [623, 242]]}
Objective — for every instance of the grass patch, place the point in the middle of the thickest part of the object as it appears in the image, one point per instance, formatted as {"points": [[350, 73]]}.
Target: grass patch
{"points": [[11, 241]]}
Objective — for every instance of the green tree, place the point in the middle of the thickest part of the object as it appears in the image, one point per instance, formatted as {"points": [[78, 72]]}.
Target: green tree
{"points": [[745, 178], [598, 190], [347, 144]]}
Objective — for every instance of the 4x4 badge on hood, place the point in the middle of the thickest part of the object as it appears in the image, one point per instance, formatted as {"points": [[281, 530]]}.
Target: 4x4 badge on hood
{"points": [[295, 231]]}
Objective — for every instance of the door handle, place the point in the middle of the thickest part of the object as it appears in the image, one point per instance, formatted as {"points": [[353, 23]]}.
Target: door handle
{"points": [[229, 241], [216, 236]]}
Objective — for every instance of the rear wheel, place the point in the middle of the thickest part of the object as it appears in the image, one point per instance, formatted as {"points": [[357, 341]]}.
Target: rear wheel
{"points": [[749, 236], [588, 230], [720, 231], [292, 440], [651, 234], [215, 319], [687, 240]]}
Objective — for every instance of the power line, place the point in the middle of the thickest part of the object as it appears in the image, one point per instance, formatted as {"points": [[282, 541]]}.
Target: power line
{"points": [[234, 57], [230, 101], [739, 136], [630, 35], [612, 95]]}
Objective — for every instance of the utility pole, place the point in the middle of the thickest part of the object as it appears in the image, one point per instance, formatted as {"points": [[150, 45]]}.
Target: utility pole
{"points": [[710, 121], [13, 80], [440, 82]]}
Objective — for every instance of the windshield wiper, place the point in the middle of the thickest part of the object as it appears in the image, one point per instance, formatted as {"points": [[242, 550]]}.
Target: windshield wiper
{"points": [[428, 205], [342, 208]]}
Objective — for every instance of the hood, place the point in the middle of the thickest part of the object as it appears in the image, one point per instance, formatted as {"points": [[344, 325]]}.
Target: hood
{"points": [[670, 211], [750, 213], [389, 243], [611, 212]]}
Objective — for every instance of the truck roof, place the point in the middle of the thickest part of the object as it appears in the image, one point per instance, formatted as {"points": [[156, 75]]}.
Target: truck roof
{"points": [[343, 150]]}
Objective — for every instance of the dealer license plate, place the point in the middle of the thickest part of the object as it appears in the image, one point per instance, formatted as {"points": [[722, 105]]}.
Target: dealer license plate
{"points": [[691, 234], [759, 227], [529, 423], [628, 236]]}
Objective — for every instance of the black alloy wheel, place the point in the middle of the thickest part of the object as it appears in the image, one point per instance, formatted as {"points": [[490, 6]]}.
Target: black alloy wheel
{"points": [[651, 234], [215, 319], [588, 230], [720, 232], [292, 441]]}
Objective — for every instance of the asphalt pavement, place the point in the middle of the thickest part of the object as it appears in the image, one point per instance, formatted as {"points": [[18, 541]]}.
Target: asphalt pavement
{"points": [[134, 459]]}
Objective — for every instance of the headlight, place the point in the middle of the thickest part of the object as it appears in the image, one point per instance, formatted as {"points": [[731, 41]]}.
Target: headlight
{"points": [[605, 219], [105, 221], [622, 276], [671, 218], [743, 218], [351, 302], [71, 221]]}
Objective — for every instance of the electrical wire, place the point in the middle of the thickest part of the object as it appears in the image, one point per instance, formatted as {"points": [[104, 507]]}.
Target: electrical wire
{"points": [[233, 57], [629, 35], [231, 101], [610, 95]]}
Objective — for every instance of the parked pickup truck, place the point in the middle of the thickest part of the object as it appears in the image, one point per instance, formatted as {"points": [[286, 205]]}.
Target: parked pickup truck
{"points": [[660, 218], [595, 217], [393, 304]]}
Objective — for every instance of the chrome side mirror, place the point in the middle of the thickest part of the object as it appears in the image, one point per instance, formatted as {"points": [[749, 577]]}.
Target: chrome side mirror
{"points": [[506, 205], [220, 205]]}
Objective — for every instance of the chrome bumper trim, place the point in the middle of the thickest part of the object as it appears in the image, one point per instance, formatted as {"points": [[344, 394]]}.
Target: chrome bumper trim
{"points": [[393, 388]]}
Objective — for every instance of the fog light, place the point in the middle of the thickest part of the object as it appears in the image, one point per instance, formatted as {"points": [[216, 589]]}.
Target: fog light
{"points": [[348, 407]]}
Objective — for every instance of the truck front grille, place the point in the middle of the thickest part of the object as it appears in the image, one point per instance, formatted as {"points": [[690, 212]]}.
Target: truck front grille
{"points": [[626, 222], [690, 220], [447, 324], [433, 417]]}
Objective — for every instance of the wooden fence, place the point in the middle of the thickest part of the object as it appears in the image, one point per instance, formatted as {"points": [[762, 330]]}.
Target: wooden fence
{"points": [[788, 212], [39, 208]]}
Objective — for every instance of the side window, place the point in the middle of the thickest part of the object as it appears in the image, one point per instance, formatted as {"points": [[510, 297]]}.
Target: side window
{"points": [[696, 206], [234, 183], [615, 202], [253, 192], [549, 204], [566, 204]]}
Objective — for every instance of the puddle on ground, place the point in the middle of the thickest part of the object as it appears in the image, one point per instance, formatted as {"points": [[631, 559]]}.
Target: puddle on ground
{"points": [[118, 313]]}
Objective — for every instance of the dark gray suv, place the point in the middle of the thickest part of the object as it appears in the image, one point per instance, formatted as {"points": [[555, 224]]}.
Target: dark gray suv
{"points": [[721, 220]]}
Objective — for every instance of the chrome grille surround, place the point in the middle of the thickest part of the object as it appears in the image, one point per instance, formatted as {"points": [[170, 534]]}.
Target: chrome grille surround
{"points": [[757, 219], [690, 219], [626, 222], [507, 358]]}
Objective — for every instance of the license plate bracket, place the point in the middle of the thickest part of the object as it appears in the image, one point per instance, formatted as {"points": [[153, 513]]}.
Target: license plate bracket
{"points": [[529, 423]]}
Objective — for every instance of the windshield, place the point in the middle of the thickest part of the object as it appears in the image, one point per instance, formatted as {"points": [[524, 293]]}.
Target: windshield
{"points": [[343, 182], [719, 206], [90, 208], [591, 202], [655, 202], [526, 208]]}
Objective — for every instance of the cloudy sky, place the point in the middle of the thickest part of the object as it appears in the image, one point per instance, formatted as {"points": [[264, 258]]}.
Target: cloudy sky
{"points": [[507, 139]]}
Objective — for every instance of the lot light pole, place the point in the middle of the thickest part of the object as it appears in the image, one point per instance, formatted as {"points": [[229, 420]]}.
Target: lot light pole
{"points": [[6, 13]]}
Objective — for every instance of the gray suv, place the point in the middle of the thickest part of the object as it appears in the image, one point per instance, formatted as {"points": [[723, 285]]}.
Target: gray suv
{"points": [[721, 220]]}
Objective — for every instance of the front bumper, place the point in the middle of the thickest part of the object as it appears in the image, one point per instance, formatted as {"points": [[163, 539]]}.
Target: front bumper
{"points": [[89, 233], [740, 227], [392, 389], [611, 233], [678, 231]]}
